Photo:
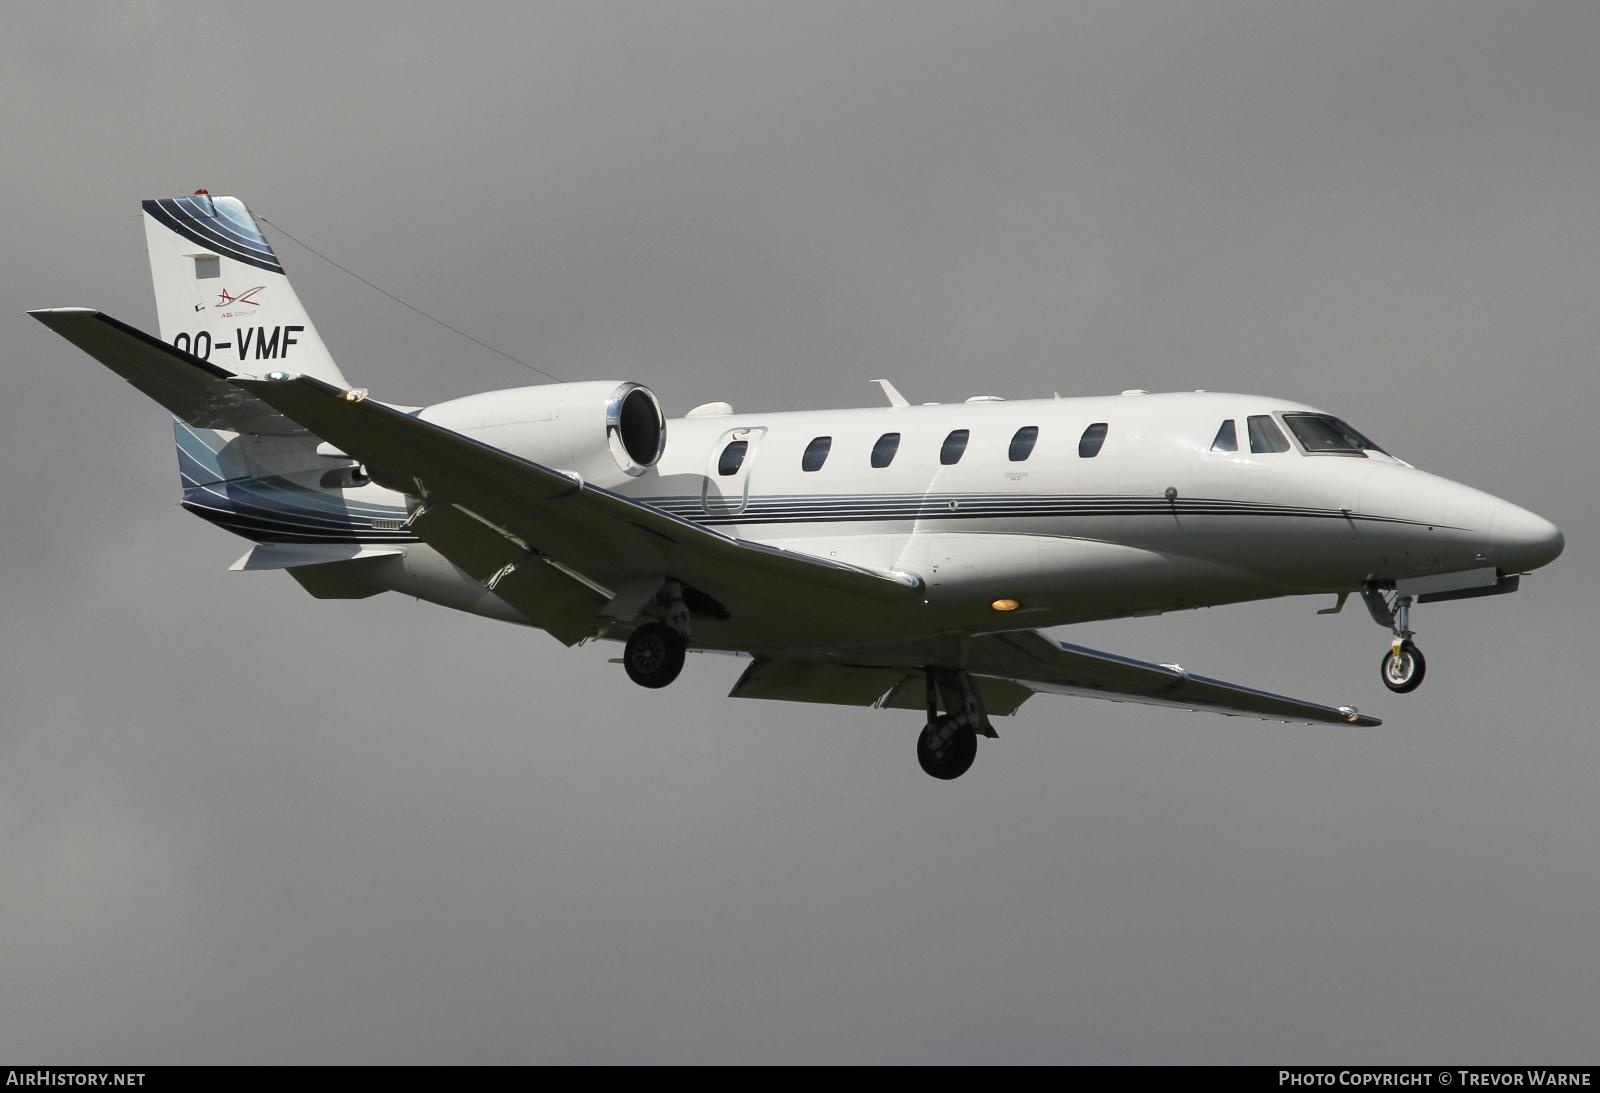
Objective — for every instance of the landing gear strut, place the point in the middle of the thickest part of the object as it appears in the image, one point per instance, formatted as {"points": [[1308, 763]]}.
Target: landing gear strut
{"points": [[653, 656], [948, 743], [1403, 666]]}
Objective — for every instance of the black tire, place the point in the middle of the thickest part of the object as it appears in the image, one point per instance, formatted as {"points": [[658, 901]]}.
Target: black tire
{"points": [[1403, 674], [653, 656], [956, 756]]}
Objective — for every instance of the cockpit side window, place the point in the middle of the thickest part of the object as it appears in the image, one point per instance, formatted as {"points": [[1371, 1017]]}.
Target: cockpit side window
{"points": [[1265, 436], [1227, 438], [1326, 433]]}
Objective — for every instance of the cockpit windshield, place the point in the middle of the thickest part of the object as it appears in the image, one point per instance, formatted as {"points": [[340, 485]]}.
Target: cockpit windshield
{"points": [[1326, 433]]}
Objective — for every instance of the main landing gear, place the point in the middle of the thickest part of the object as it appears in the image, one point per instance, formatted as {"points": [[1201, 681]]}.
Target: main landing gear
{"points": [[946, 748], [1403, 666], [948, 743], [653, 656]]}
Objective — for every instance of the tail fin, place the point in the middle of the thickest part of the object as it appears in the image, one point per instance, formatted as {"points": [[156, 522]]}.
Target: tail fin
{"points": [[221, 293], [226, 308]]}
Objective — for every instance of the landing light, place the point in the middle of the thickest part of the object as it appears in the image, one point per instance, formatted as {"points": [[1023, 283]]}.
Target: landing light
{"points": [[1005, 604], [355, 394]]}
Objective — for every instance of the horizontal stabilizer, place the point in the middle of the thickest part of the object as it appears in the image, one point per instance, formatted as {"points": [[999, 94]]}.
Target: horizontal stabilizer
{"points": [[332, 571], [193, 390], [291, 555]]}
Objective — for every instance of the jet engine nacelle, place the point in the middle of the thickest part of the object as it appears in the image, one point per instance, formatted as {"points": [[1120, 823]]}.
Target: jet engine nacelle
{"points": [[605, 431]]}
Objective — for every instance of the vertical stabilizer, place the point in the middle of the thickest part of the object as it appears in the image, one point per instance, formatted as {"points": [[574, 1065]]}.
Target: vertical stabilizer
{"points": [[221, 293]]}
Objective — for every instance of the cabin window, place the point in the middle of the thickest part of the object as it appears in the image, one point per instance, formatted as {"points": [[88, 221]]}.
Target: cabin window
{"points": [[955, 445], [1089, 443], [1326, 433], [1227, 438], [1265, 436], [816, 453], [732, 457], [1022, 442], [883, 451]]}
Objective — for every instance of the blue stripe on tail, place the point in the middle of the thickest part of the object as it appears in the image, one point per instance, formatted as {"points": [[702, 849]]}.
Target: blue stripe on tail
{"points": [[219, 486]]}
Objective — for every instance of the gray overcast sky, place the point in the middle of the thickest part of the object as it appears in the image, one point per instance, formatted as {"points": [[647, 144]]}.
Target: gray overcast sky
{"points": [[241, 825]]}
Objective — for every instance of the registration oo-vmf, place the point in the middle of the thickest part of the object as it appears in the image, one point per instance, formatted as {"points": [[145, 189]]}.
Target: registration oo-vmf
{"points": [[894, 556]]}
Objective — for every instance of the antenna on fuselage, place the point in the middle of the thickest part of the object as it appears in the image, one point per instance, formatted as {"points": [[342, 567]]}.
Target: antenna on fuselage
{"points": [[895, 397]]}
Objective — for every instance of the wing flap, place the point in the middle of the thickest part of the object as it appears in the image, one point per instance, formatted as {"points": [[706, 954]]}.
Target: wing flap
{"points": [[553, 601], [472, 547], [818, 681], [562, 607], [1001, 697], [194, 391], [844, 684]]}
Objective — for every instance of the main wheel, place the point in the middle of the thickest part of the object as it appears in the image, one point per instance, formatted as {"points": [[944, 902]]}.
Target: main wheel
{"points": [[1403, 673], [946, 758], [653, 656]]}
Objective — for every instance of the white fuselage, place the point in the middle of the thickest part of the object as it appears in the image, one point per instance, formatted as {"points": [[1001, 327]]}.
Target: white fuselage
{"points": [[903, 556], [1153, 520]]}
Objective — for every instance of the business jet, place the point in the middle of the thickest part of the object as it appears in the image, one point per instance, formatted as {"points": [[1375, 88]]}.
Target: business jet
{"points": [[898, 556]]}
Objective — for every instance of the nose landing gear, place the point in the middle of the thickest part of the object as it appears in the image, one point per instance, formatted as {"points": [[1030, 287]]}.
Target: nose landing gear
{"points": [[1403, 666]]}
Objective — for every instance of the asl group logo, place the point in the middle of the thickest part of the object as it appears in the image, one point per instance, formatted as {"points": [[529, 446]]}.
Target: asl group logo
{"points": [[246, 297], [238, 305]]}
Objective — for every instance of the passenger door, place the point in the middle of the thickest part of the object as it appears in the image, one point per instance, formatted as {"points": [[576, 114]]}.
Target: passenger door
{"points": [[727, 482]]}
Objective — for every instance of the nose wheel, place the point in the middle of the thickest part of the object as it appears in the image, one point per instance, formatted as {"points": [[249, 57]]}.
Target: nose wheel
{"points": [[1403, 668]]}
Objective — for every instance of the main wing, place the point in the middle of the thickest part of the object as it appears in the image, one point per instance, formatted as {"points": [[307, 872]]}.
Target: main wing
{"points": [[611, 543], [1008, 668]]}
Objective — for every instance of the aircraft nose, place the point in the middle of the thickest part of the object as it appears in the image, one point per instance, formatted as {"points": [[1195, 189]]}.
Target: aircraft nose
{"points": [[1520, 540]]}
